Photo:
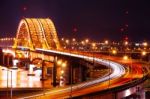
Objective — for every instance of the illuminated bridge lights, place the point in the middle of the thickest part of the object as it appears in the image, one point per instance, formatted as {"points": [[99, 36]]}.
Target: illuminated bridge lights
{"points": [[40, 35], [37, 33], [117, 71]]}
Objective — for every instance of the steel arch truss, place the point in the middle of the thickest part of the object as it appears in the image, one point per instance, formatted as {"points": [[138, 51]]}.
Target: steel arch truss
{"points": [[37, 33]]}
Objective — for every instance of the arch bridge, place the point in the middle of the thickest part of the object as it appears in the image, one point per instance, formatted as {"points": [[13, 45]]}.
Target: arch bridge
{"points": [[37, 33]]}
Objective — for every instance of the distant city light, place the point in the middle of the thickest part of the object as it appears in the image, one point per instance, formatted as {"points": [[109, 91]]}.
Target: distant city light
{"points": [[87, 40], [83, 43], [73, 39], [67, 41], [106, 41], [62, 39], [126, 43], [93, 44], [145, 44]]}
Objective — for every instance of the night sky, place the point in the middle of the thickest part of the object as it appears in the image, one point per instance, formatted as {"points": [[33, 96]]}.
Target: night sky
{"points": [[94, 19]]}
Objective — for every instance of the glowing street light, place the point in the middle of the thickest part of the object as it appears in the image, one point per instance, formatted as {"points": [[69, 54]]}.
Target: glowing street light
{"points": [[145, 44], [114, 52], [64, 64], [125, 57], [67, 41], [73, 39], [106, 41], [62, 71], [87, 40], [144, 53], [62, 39], [93, 44], [59, 62], [83, 43], [126, 42]]}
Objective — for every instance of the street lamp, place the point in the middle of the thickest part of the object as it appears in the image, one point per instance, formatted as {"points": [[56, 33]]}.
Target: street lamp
{"points": [[106, 42], [129, 59], [59, 62], [62, 71], [126, 43], [73, 39], [125, 57], [114, 52], [145, 44], [64, 64], [11, 86], [82, 42], [67, 41], [8, 82], [62, 39], [143, 53], [87, 40]]}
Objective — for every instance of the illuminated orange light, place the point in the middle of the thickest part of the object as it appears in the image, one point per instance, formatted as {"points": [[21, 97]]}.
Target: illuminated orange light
{"points": [[125, 57], [144, 53], [73, 39], [145, 44], [59, 62], [64, 64], [93, 44], [114, 52], [87, 40], [126, 42], [62, 72], [106, 42]]}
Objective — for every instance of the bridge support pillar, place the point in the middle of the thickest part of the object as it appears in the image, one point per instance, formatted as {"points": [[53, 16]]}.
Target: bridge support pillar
{"points": [[9, 60], [43, 71], [54, 72], [76, 72], [81, 73], [71, 73]]}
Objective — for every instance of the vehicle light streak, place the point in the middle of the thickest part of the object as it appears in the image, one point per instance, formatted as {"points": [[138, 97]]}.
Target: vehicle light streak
{"points": [[117, 71]]}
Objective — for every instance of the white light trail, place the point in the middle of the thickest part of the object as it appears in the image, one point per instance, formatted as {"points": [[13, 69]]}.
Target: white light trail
{"points": [[117, 71]]}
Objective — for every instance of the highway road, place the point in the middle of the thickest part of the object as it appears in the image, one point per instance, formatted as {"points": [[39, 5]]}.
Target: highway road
{"points": [[123, 71]]}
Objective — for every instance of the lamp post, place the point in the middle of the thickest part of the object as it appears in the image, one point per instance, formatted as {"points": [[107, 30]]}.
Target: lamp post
{"points": [[143, 53], [114, 52], [129, 59], [11, 86], [54, 71], [7, 82], [125, 58], [63, 65], [7, 74]]}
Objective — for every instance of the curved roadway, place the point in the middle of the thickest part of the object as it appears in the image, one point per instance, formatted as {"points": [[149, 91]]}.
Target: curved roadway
{"points": [[118, 70]]}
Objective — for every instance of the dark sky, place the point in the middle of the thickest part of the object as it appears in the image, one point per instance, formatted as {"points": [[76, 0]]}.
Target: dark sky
{"points": [[95, 19]]}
